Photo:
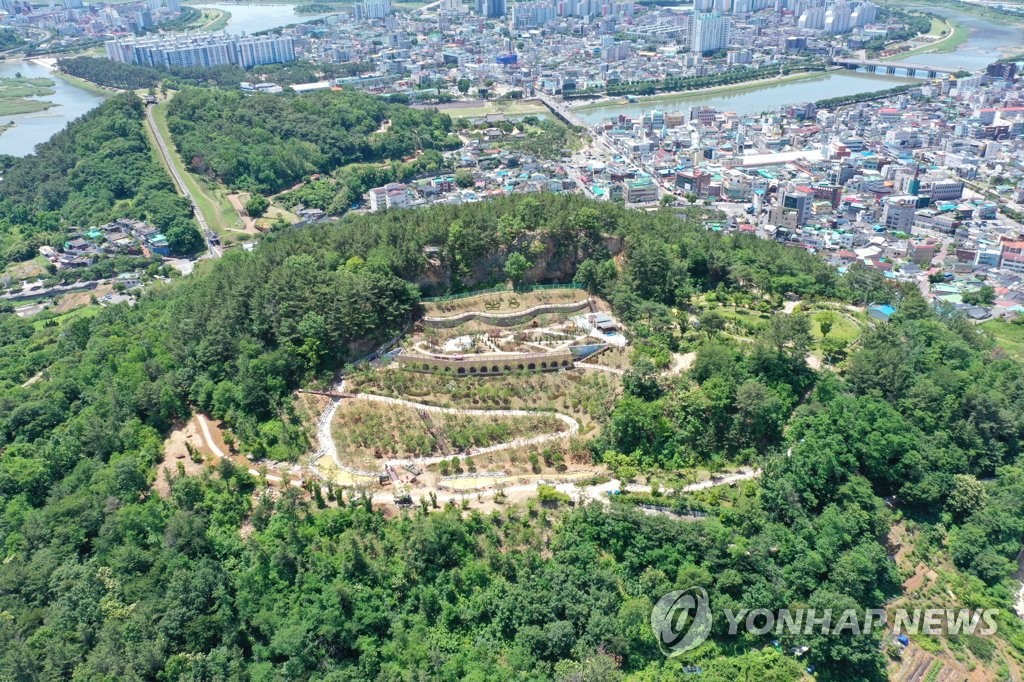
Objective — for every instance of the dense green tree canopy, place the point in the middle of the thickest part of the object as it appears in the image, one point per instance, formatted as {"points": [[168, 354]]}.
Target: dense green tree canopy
{"points": [[103, 578], [268, 142], [99, 168]]}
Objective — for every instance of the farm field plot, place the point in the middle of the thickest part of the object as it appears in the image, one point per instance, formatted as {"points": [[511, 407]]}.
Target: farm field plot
{"points": [[366, 432], [586, 396]]}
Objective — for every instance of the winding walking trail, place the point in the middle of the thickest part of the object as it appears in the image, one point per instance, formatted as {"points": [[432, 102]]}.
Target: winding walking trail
{"points": [[572, 424], [601, 493], [215, 449], [591, 493]]}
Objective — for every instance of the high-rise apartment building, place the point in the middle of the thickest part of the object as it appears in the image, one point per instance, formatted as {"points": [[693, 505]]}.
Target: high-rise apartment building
{"points": [[201, 51], [709, 32], [491, 8], [373, 9]]}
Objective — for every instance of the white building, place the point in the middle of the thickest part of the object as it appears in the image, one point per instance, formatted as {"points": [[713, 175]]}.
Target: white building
{"points": [[201, 51], [710, 32], [391, 195], [898, 213], [373, 9]]}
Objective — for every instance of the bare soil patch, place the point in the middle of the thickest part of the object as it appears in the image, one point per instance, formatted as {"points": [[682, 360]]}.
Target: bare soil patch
{"points": [[177, 457]]}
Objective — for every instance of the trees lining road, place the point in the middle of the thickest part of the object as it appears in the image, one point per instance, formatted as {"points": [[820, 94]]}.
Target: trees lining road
{"points": [[212, 247]]}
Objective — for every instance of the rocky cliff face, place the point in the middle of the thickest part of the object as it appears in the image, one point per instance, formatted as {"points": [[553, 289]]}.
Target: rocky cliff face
{"points": [[552, 264]]}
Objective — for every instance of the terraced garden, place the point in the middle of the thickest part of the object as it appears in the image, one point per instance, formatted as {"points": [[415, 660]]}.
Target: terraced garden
{"points": [[367, 432], [586, 396]]}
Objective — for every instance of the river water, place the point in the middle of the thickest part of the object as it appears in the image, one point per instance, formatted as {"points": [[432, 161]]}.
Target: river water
{"points": [[755, 100], [254, 18], [988, 41], [31, 129], [73, 101]]}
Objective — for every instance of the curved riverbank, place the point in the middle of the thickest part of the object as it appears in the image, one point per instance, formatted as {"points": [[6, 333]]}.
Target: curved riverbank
{"points": [[734, 88], [102, 90], [212, 19], [957, 34], [755, 97], [966, 7]]}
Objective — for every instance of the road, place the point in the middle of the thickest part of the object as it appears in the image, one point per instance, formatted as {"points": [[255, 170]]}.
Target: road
{"points": [[31, 42], [213, 247], [420, 11], [28, 294], [599, 147]]}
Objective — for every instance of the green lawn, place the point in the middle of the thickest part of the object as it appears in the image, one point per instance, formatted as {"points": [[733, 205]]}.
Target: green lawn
{"points": [[212, 201], [1008, 336], [507, 108], [842, 327], [39, 321], [210, 20], [956, 35]]}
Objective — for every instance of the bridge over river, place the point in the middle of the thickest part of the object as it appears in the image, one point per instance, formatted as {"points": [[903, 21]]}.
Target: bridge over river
{"points": [[893, 68]]}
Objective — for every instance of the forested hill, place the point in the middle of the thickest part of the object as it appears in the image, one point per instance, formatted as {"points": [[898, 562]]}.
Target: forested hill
{"points": [[267, 143], [102, 71], [102, 579], [98, 168]]}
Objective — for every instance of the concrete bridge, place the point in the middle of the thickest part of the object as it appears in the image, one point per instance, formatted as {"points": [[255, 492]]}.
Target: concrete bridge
{"points": [[892, 68], [561, 110]]}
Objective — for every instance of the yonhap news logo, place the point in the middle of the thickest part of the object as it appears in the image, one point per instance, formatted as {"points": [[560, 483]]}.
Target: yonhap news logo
{"points": [[682, 620]]}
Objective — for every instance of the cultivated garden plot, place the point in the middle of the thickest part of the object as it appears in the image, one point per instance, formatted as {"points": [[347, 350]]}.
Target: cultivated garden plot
{"points": [[570, 456], [365, 433], [586, 396]]}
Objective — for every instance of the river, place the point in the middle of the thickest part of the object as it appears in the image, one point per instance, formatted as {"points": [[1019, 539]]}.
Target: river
{"points": [[31, 129], [754, 100], [73, 101], [988, 41], [254, 18]]}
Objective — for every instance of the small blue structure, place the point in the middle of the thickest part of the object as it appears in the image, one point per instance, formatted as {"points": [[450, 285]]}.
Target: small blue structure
{"points": [[881, 312], [158, 244]]}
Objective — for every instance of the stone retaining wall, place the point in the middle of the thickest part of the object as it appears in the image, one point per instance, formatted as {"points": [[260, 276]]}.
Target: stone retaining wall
{"points": [[487, 365], [504, 319]]}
